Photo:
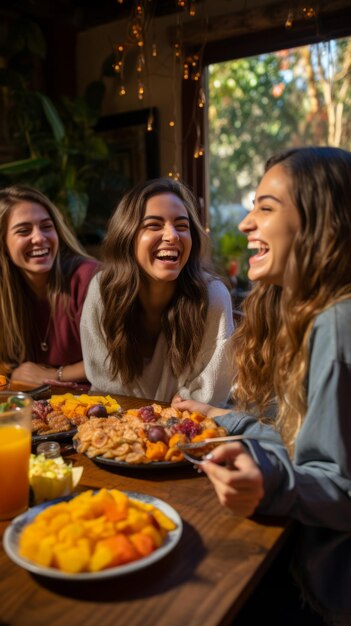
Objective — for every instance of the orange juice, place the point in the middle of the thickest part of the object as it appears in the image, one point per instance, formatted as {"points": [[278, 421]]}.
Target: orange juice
{"points": [[15, 444]]}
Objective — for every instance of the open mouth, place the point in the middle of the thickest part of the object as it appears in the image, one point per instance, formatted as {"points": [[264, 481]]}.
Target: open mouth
{"points": [[39, 253], [170, 256], [261, 248]]}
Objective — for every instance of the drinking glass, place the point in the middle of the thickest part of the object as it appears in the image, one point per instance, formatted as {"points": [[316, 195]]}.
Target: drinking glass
{"points": [[15, 447]]}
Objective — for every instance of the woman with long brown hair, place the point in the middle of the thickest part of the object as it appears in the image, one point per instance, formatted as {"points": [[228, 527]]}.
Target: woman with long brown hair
{"points": [[155, 322], [44, 276], [292, 364]]}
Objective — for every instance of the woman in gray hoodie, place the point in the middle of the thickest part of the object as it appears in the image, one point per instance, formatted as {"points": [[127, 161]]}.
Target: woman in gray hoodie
{"points": [[292, 364]]}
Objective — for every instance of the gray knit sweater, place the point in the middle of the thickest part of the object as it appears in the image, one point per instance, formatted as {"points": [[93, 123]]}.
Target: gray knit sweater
{"points": [[209, 380]]}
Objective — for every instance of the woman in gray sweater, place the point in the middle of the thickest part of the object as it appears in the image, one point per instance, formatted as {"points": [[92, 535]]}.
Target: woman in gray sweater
{"points": [[155, 322], [292, 360]]}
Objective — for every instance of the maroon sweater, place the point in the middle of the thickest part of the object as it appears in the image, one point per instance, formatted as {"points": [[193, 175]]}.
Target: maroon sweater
{"points": [[63, 338]]}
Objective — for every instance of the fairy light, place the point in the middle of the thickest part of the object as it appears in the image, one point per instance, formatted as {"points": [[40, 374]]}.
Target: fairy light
{"points": [[122, 90], [201, 99], [140, 90], [150, 122], [192, 8], [140, 63], [177, 50], [199, 150], [309, 12], [171, 123], [154, 49], [289, 20], [174, 174], [118, 52]]}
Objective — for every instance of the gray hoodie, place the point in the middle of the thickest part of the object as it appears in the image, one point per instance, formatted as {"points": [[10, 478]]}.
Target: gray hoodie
{"points": [[315, 488]]}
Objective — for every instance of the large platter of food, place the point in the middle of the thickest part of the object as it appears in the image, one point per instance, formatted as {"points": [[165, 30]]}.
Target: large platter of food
{"points": [[147, 437], [93, 535], [58, 417]]}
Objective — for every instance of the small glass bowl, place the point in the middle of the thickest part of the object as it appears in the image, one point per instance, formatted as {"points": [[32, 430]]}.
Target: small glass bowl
{"points": [[50, 449]]}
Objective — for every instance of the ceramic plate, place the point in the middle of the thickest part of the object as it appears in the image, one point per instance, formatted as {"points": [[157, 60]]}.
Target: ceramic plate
{"points": [[13, 533], [154, 465]]}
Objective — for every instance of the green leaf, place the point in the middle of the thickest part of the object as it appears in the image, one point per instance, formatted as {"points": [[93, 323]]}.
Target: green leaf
{"points": [[96, 148], [26, 36], [77, 205], [24, 166], [53, 117]]}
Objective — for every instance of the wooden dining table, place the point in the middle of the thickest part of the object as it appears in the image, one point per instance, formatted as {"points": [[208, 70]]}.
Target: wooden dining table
{"points": [[204, 581]]}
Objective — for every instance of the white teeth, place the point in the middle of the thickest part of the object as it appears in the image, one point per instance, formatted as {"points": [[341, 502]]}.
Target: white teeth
{"points": [[37, 253], [257, 245], [167, 254]]}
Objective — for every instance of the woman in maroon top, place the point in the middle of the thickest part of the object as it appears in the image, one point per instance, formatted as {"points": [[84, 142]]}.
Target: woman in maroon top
{"points": [[44, 277]]}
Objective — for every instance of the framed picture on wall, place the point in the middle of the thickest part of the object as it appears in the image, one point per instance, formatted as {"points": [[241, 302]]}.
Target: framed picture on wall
{"points": [[133, 158], [134, 148]]}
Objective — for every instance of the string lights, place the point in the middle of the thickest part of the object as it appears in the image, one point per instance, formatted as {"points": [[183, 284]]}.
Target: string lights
{"points": [[305, 11], [150, 122], [141, 37]]}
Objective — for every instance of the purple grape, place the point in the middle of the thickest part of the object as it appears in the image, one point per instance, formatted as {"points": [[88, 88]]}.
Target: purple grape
{"points": [[157, 433], [188, 428], [147, 414]]}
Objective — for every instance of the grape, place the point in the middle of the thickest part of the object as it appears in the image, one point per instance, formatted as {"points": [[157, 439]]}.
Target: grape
{"points": [[157, 433], [147, 414], [188, 428], [97, 410]]}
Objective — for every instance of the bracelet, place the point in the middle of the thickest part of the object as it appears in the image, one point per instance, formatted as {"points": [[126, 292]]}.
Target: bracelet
{"points": [[59, 373]]}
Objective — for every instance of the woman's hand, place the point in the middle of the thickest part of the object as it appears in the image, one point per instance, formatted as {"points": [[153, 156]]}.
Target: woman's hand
{"points": [[30, 373], [239, 485], [33, 373], [198, 407]]}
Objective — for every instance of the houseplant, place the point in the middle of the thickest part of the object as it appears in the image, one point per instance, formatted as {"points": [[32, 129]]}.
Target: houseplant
{"points": [[54, 145]]}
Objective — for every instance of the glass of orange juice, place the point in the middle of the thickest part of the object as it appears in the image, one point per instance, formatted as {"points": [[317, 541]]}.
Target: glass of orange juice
{"points": [[15, 446]]}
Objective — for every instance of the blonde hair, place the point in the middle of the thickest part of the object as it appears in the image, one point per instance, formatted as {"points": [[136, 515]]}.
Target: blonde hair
{"points": [[271, 344], [17, 325]]}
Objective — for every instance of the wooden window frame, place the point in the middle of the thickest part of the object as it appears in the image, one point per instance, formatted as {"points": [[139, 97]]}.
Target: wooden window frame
{"points": [[325, 27]]}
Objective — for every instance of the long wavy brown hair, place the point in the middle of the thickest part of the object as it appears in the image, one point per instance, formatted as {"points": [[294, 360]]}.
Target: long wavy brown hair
{"points": [[271, 344], [183, 321], [16, 322]]}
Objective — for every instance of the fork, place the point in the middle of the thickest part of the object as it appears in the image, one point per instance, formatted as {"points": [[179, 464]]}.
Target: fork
{"points": [[186, 448]]}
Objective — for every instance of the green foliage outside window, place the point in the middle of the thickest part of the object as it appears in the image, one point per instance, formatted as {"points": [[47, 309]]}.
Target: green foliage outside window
{"points": [[261, 105]]}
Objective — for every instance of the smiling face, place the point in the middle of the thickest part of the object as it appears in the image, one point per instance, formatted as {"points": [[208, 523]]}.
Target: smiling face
{"points": [[271, 227], [31, 240], [163, 241]]}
